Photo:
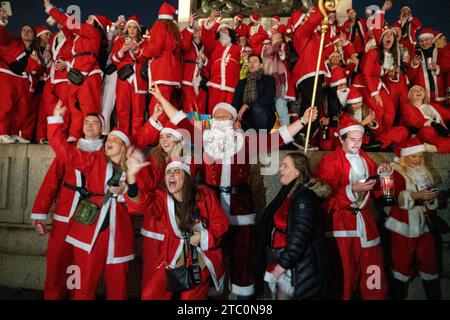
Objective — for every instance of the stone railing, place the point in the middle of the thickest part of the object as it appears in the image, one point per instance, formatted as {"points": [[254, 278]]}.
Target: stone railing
{"points": [[22, 252]]}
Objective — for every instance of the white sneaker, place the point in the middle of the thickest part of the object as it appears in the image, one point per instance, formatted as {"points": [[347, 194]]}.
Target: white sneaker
{"points": [[71, 139], [5, 139], [43, 141], [19, 139]]}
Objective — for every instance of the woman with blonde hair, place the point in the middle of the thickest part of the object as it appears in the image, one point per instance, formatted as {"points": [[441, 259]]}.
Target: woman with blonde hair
{"points": [[102, 230], [428, 120], [291, 243]]}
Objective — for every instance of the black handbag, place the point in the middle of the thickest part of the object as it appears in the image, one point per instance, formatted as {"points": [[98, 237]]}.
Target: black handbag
{"points": [[181, 278], [75, 76], [110, 69], [125, 72]]}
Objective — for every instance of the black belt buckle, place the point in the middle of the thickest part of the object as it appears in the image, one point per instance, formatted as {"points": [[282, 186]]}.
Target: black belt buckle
{"points": [[355, 211]]}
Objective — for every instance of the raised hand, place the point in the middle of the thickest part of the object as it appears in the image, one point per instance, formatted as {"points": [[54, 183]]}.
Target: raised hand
{"points": [[39, 227], [314, 115], [59, 109]]}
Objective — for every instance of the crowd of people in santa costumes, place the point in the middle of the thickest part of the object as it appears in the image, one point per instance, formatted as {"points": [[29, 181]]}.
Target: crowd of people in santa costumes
{"points": [[377, 88]]}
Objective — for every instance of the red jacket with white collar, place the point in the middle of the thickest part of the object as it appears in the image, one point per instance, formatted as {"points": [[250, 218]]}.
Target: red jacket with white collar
{"points": [[61, 45]]}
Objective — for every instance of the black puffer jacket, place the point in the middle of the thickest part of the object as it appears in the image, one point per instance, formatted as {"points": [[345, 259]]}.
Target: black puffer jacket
{"points": [[305, 252]]}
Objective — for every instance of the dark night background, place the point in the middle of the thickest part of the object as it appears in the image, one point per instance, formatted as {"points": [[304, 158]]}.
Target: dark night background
{"points": [[432, 13]]}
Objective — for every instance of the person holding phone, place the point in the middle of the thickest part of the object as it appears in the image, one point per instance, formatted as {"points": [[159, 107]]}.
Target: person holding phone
{"points": [[354, 241], [409, 25], [412, 242]]}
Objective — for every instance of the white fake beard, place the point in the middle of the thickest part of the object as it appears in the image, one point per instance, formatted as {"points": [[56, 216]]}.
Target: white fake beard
{"points": [[89, 145], [222, 141], [342, 96], [225, 39], [420, 177]]}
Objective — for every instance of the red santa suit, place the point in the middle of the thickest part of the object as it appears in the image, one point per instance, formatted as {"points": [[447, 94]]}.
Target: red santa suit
{"points": [[164, 52], [59, 252], [104, 248], [356, 33], [350, 224], [224, 65], [57, 86], [16, 84], [160, 206], [419, 75], [193, 96], [130, 92], [227, 172], [243, 29], [256, 34], [409, 27], [412, 243], [370, 82], [421, 118]]}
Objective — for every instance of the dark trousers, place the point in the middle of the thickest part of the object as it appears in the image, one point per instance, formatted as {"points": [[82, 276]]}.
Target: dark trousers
{"points": [[334, 107], [259, 117], [306, 89]]}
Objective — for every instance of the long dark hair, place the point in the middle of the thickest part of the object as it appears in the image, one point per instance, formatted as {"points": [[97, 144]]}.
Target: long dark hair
{"points": [[301, 163], [188, 206], [34, 44], [102, 57], [173, 28], [232, 36], [393, 50]]}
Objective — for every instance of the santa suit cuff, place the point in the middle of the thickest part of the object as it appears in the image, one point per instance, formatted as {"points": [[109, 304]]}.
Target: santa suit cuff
{"points": [[39, 216], [204, 243], [375, 93], [3, 23], [189, 29], [55, 120], [155, 124], [438, 70], [285, 135], [178, 117], [350, 195], [433, 204], [405, 201], [428, 123], [47, 9]]}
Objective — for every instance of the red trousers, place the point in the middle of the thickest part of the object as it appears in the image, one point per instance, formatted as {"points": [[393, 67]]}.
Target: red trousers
{"points": [[410, 255], [50, 95], [398, 92], [356, 265], [59, 258], [93, 268], [385, 115], [394, 135], [156, 290], [16, 103], [193, 102], [152, 259], [130, 107], [238, 245], [168, 93], [429, 135], [216, 96], [84, 99]]}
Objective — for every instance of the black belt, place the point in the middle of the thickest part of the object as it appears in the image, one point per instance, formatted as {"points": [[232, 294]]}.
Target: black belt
{"points": [[85, 53], [244, 187], [84, 192], [190, 61]]}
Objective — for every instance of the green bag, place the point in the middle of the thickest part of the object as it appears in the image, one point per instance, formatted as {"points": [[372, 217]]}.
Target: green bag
{"points": [[86, 212]]}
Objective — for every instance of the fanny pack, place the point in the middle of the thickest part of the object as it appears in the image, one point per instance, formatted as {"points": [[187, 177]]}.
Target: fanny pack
{"points": [[75, 76], [86, 212], [125, 72], [110, 69]]}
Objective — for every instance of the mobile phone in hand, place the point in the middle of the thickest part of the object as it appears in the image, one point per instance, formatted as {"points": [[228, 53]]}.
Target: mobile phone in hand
{"points": [[373, 177], [6, 6]]}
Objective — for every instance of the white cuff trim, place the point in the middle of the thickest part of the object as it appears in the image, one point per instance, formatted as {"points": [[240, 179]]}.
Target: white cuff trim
{"points": [[55, 120], [178, 117], [375, 93], [284, 133], [39, 216], [155, 124], [204, 243], [47, 10]]}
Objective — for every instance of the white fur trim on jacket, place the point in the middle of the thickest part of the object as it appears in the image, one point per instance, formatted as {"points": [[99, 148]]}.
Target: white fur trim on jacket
{"points": [[55, 119], [178, 117]]}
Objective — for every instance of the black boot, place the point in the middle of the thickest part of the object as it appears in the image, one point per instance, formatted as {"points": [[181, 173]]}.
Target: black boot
{"points": [[432, 289], [400, 290]]}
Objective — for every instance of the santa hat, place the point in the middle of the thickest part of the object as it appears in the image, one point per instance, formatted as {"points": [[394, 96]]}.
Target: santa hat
{"points": [[135, 20], [224, 25], [225, 106], [255, 17], [297, 18], [405, 7], [354, 95], [409, 147], [178, 163], [103, 21], [378, 34], [347, 124], [169, 128], [276, 19], [338, 77], [426, 33], [239, 17], [41, 30], [122, 135], [167, 11], [330, 51]]}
